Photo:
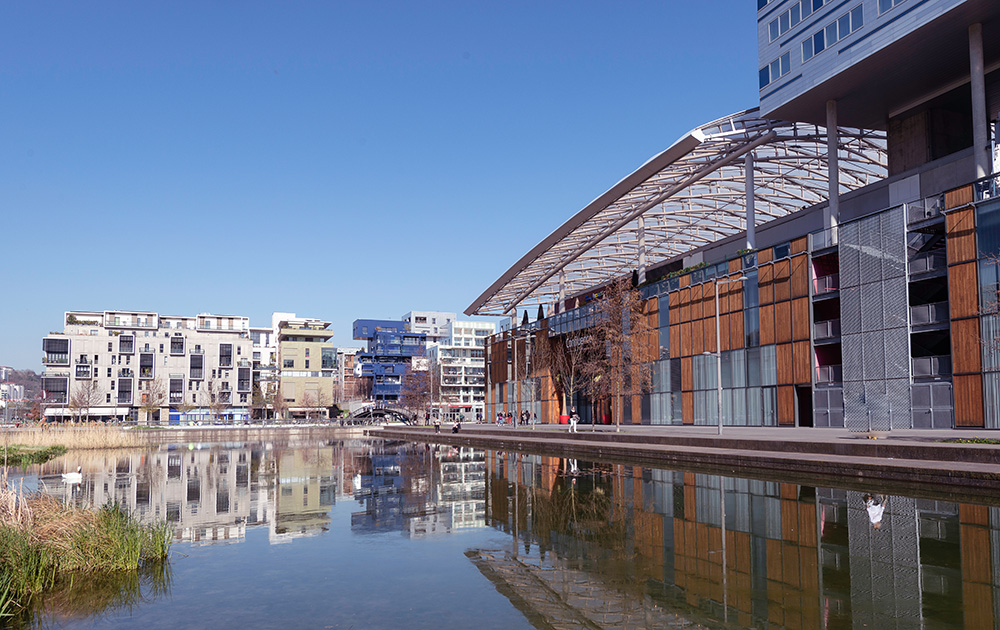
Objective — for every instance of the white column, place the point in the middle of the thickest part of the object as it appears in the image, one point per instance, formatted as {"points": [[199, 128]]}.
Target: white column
{"points": [[832, 215], [751, 216], [562, 291], [980, 135], [642, 249]]}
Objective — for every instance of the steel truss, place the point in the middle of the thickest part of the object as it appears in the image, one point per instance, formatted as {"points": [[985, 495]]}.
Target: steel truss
{"points": [[690, 195]]}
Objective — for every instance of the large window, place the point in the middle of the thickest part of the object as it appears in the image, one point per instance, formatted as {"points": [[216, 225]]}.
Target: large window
{"points": [[775, 70], [791, 18], [225, 355]]}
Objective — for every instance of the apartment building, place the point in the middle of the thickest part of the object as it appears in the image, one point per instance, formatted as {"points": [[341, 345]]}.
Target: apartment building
{"points": [[107, 365], [307, 364], [389, 355], [460, 365], [433, 324]]}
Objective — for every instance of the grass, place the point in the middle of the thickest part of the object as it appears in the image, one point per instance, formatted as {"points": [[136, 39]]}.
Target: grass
{"points": [[75, 437], [44, 544], [18, 455], [972, 441]]}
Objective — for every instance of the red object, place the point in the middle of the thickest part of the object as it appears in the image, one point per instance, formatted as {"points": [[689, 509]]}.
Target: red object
{"points": [[563, 419]]}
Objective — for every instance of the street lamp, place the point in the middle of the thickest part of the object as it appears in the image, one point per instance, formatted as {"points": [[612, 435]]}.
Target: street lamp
{"points": [[718, 344]]}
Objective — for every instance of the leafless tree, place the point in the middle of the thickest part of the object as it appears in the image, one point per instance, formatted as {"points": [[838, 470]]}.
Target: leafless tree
{"points": [[276, 401], [152, 397], [566, 358], [85, 395], [621, 365], [415, 394], [219, 397]]}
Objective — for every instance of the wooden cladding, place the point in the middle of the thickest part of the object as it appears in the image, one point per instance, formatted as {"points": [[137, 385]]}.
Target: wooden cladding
{"points": [[958, 197], [786, 405], [802, 356], [966, 347], [782, 322], [799, 245], [961, 229], [782, 290], [765, 255], [800, 276], [968, 390], [800, 319], [766, 324], [963, 290], [765, 283]]}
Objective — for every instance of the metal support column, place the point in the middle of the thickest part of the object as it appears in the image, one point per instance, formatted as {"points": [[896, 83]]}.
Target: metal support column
{"points": [[832, 215], [751, 216], [982, 159], [642, 248]]}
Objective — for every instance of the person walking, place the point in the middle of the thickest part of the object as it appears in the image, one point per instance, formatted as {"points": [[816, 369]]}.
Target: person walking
{"points": [[437, 424]]}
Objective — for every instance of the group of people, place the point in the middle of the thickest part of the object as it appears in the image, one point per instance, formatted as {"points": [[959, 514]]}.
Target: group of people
{"points": [[525, 418]]}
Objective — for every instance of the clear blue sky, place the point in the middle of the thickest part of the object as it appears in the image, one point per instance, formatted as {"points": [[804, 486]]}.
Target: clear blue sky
{"points": [[340, 160]]}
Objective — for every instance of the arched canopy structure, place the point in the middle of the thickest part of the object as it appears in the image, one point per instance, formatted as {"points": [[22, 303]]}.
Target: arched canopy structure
{"points": [[690, 195]]}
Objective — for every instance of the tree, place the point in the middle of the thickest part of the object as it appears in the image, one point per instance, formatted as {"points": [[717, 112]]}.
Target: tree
{"points": [[620, 366], [219, 397], [415, 394], [276, 401], [152, 397], [85, 395], [565, 358]]}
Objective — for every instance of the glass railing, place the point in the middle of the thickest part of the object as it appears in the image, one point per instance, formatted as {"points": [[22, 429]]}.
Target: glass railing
{"points": [[924, 209], [928, 261], [826, 329], [987, 188], [830, 373], [826, 284], [56, 359], [932, 366]]}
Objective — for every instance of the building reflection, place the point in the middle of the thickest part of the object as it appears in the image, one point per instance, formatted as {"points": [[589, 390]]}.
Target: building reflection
{"points": [[640, 545], [421, 490], [211, 493]]}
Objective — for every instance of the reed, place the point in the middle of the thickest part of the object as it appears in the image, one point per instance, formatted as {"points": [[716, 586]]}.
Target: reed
{"points": [[75, 437], [41, 541]]}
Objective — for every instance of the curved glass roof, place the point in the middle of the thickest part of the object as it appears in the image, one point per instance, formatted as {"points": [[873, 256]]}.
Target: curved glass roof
{"points": [[688, 196]]}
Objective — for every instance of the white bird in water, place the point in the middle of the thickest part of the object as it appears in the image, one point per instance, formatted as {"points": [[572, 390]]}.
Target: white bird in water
{"points": [[73, 477]]}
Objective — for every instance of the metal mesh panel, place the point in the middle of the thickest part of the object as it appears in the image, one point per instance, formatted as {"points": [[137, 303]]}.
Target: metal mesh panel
{"points": [[897, 353], [894, 303], [850, 310], [873, 355], [893, 243], [851, 350], [850, 269], [855, 412], [871, 250], [872, 316], [897, 392], [878, 405]]}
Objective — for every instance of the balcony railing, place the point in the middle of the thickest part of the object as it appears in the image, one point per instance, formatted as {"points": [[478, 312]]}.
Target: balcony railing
{"points": [[198, 351], [125, 373], [826, 284], [826, 329], [830, 373], [925, 314], [51, 358], [987, 188], [928, 261], [176, 398], [83, 361], [932, 366], [82, 371], [145, 372], [924, 209], [243, 386]]}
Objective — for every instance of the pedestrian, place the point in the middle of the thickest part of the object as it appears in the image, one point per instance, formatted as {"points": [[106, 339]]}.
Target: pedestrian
{"points": [[456, 426], [437, 424], [573, 419], [875, 505], [427, 418]]}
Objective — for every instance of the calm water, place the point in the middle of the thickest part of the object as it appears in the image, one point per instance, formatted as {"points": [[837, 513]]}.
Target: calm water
{"points": [[396, 535]]}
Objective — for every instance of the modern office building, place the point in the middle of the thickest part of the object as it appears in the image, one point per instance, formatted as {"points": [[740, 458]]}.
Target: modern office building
{"points": [[460, 365], [434, 324], [390, 352], [107, 365], [307, 361], [830, 254]]}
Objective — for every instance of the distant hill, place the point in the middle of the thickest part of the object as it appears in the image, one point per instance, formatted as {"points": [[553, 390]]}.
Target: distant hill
{"points": [[31, 382]]}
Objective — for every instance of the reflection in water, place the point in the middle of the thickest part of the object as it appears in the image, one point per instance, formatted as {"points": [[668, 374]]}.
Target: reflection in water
{"points": [[640, 544]]}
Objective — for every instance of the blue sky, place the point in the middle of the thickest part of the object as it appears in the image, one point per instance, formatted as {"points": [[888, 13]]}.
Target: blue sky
{"points": [[339, 160]]}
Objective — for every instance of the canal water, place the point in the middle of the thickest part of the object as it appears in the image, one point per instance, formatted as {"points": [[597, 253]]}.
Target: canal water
{"points": [[363, 534]]}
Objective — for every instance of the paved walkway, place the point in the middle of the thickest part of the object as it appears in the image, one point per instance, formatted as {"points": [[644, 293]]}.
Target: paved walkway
{"points": [[910, 457]]}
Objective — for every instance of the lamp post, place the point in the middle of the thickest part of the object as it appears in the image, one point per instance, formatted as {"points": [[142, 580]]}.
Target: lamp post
{"points": [[718, 344]]}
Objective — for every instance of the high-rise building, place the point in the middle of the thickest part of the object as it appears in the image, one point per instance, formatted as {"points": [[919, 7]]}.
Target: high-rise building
{"points": [[460, 366], [110, 365]]}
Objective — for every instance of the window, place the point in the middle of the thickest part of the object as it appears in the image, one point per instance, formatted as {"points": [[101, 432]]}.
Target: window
{"points": [[307, 364], [885, 5], [792, 17], [775, 70], [832, 33], [288, 363]]}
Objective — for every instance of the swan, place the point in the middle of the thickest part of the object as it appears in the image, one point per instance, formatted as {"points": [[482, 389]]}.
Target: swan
{"points": [[73, 477]]}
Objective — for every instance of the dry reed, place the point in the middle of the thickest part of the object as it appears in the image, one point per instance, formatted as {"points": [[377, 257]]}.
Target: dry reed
{"points": [[75, 437]]}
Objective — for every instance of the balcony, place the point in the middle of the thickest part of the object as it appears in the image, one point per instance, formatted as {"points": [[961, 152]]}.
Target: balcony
{"points": [[124, 397], [826, 284], [145, 372], [176, 398], [926, 262], [83, 370], [932, 366], [198, 351], [243, 386], [125, 373], [830, 373], [927, 314], [55, 358], [828, 329]]}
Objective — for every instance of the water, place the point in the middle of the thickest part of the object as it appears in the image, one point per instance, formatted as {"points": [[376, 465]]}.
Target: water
{"points": [[375, 535]]}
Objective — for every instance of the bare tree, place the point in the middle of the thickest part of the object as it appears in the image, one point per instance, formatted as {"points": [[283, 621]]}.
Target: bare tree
{"points": [[620, 366], [85, 395], [415, 394], [276, 401], [219, 397], [566, 358], [152, 397]]}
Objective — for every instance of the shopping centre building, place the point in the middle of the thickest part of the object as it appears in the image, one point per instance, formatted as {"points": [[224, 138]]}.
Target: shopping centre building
{"points": [[829, 255]]}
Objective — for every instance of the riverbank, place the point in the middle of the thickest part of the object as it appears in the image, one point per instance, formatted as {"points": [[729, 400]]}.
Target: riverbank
{"points": [[914, 459]]}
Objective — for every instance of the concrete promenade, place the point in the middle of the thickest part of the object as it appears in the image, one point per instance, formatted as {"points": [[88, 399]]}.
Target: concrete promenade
{"points": [[905, 460]]}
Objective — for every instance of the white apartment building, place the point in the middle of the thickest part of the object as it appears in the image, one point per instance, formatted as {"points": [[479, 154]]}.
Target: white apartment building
{"points": [[434, 324], [459, 359], [108, 365]]}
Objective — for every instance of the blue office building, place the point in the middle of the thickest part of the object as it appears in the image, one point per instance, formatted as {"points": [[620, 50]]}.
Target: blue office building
{"points": [[390, 351]]}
